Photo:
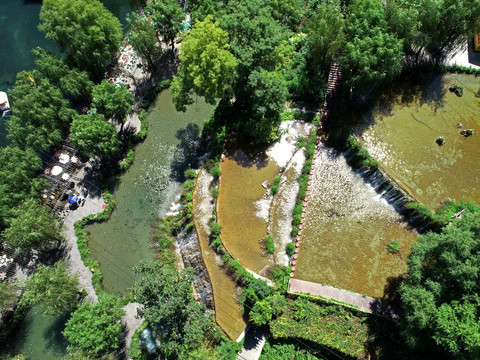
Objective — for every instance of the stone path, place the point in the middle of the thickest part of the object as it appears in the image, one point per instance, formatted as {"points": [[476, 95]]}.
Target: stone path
{"points": [[253, 345], [364, 303]]}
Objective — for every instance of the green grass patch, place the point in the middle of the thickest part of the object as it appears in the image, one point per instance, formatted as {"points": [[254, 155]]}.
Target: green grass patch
{"points": [[269, 244]]}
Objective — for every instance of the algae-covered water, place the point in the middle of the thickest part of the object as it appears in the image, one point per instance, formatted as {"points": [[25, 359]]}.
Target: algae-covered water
{"points": [[402, 129], [146, 190], [347, 229], [240, 209]]}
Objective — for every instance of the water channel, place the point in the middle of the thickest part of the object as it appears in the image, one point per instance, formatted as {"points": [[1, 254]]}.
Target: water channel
{"points": [[146, 190], [402, 129]]}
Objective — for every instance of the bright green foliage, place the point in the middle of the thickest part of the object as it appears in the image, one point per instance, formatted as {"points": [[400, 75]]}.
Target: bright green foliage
{"points": [[94, 135], [166, 18], [71, 81], [329, 325], [393, 246], [84, 30], [54, 288], [402, 19], [208, 66], [264, 310], [41, 113], [285, 351], [215, 230], [17, 178], [191, 174], [170, 310], [216, 171], [255, 291], [144, 39], [115, 103], [371, 55], [32, 227], [441, 296], [95, 329], [269, 244], [326, 32]]}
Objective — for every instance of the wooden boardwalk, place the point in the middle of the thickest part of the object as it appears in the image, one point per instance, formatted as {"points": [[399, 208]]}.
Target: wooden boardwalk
{"points": [[363, 303]]}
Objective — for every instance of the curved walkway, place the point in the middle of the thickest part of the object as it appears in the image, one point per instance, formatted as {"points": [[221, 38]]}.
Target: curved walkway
{"points": [[363, 303]]}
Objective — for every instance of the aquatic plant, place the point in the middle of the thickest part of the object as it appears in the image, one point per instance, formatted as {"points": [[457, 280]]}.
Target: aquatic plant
{"points": [[269, 244], [393, 246]]}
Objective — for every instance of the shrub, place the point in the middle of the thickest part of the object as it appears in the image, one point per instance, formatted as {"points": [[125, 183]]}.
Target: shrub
{"points": [[216, 171], [190, 174], [215, 230], [297, 218], [188, 185], [274, 189], [295, 230], [277, 179], [269, 244], [393, 246], [290, 249], [215, 192]]}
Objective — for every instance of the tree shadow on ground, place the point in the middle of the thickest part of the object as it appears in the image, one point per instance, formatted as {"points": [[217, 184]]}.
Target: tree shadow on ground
{"points": [[187, 152], [246, 152]]}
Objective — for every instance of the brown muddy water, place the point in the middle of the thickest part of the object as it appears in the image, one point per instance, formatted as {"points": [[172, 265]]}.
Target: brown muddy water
{"points": [[243, 203], [347, 229], [402, 129], [228, 312]]}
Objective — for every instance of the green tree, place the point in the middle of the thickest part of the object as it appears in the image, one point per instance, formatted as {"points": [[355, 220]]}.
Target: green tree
{"points": [[115, 103], [94, 135], [18, 180], [54, 288], [208, 66], [95, 330], [264, 310], [166, 17], [326, 33], [41, 113], [169, 307], [32, 227], [144, 40], [71, 81], [441, 295], [371, 55], [84, 30]]}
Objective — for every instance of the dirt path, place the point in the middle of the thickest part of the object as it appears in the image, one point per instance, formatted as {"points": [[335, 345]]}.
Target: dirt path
{"points": [[364, 303]]}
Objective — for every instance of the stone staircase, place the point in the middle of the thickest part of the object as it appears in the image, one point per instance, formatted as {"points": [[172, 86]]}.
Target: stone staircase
{"points": [[334, 81]]}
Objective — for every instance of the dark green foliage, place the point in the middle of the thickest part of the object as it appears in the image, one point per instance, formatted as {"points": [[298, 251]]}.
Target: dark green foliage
{"points": [[190, 174], [229, 350], [269, 244], [290, 249], [371, 55], [254, 292], [298, 209], [280, 274], [169, 308], [421, 212], [94, 135], [216, 171], [274, 189], [265, 310], [286, 351], [52, 287], [215, 192], [297, 218], [95, 330], [166, 17], [215, 229], [113, 102], [277, 180], [441, 295], [359, 155], [18, 181], [41, 113], [84, 30], [144, 39], [32, 227]]}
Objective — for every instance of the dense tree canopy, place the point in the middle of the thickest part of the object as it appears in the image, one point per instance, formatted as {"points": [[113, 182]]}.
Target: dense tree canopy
{"points": [[144, 39], [441, 297], [95, 330], [72, 82], [84, 30], [54, 288], [94, 135], [112, 101], [169, 308], [18, 181], [32, 226], [371, 54], [208, 66], [41, 113], [166, 17]]}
